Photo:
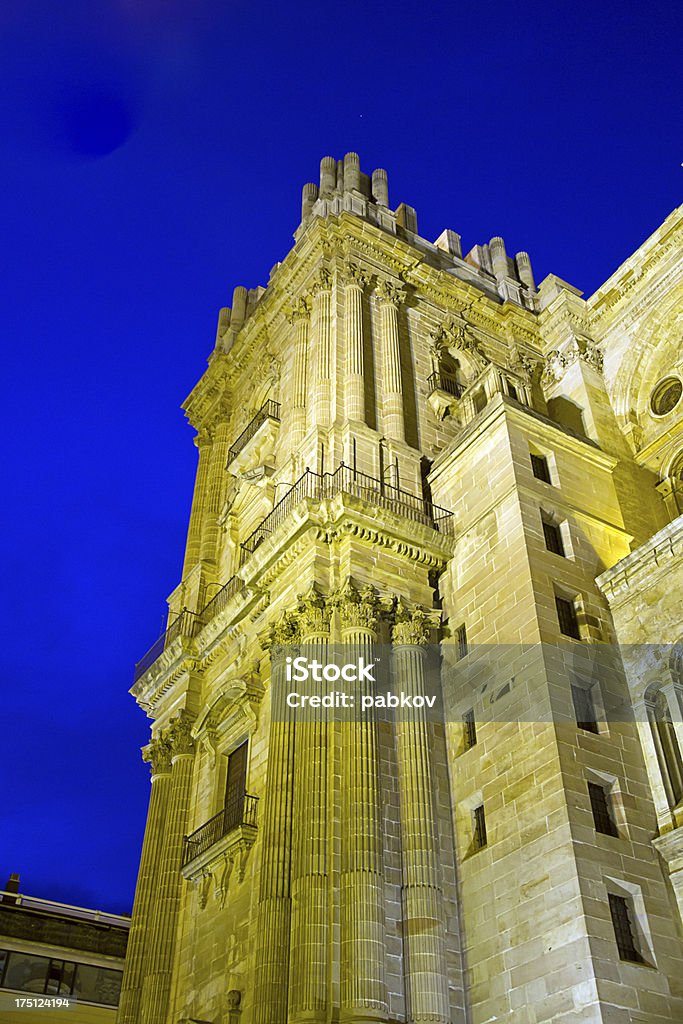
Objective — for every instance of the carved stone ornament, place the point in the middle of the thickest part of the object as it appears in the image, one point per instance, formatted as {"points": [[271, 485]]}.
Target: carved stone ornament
{"points": [[355, 275], [313, 613], [323, 282], [390, 292], [522, 364], [179, 735], [557, 361], [357, 609], [157, 755], [410, 627], [283, 633], [299, 310]]}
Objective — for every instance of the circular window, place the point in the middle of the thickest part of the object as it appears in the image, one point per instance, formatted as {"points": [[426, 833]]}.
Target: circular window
{"points": [[666, 396]]}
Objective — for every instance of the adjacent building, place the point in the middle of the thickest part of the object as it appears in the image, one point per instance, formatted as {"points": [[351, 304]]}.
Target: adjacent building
{"points": [[408, 449]]}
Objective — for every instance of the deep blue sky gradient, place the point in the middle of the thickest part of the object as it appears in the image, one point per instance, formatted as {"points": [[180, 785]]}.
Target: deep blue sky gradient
{"points": [[153, 155]]}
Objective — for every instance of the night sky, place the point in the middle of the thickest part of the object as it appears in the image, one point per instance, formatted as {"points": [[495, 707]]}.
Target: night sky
{"points": [[153, 155]]}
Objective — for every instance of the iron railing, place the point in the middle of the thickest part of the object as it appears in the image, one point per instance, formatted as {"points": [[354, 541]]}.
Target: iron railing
{"points": [[186, 624], [270, 410], [240, 811], [445, 382], [347, 480], [220, 599]]}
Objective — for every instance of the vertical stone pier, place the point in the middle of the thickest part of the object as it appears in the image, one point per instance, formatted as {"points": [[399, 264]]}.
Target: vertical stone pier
{"points": [[354, 391], [158, 755], [308, 991], [422, 895], [363, 993], [162, 939], [322, 347], [390, 297]]}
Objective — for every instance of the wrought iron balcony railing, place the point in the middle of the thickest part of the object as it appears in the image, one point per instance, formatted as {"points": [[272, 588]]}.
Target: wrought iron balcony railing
{"points": [[186, 624], [349, 481], [220, 599], [439, 380], [241, 811], [270, 410]]}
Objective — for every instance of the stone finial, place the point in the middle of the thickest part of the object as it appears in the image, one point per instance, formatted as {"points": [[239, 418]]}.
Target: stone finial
{"points": [[157, 754], [313, 613], [239, 307], [380, 186], [223, 324], [328, 175], [499, 258], [178, 735], [309, 195], [411, 627], [524, 271], [357, 609], [352, 172]]}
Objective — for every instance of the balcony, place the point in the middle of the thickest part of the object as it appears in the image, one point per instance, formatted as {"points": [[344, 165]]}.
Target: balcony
{"points": [[187, 624], [268, 413], [444, 391], [346, 480], [241, 813], [220, 846]]}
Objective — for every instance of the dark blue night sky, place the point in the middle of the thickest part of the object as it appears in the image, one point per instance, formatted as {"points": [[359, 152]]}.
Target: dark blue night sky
{"points": [[153, 157]]}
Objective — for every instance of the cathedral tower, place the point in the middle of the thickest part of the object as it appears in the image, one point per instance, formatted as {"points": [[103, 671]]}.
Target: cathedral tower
{"points": [[418, 458]]}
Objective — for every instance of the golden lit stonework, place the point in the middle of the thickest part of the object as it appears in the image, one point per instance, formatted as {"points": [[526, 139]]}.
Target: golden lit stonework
{"points": [[421, 461]]}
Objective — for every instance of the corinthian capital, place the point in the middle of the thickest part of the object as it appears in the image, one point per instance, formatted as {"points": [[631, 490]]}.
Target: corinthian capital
{"points": [[157, 754], [299, 310], [313, 613], [357, 609], [323, 281], [411, 627], [283, 633], [178, 735], [390, 292], [355, 275]]}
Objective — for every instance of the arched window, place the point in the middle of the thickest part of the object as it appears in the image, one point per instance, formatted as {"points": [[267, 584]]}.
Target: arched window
{"points": [[666, 745]]}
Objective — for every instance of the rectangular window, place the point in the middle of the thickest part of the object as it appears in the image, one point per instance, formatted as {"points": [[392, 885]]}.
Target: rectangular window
{"points": [[512, 391], [623, 929], [602, 812], [470, 729], [566, 616], [461, 640], [480, 400], [553, 537], [480, 839], [539, 466], [235, 787], [584, 709]]}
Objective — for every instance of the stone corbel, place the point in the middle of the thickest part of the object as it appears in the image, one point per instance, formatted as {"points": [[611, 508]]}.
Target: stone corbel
{"points": [[222, 880]]}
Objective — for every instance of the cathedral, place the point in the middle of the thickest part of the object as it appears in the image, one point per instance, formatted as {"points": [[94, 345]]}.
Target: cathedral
{"points": [[419, 459]]}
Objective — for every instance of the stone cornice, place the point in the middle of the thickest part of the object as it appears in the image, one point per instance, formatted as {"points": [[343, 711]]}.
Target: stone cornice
{"points": [[645, 567]]}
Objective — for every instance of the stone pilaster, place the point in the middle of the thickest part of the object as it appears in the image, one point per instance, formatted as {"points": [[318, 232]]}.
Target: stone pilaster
{"points": [[424, 939], [363, 992], [390, 298], [322, 344], [308, 992], [215, 491], [275, 904], [162, 937], [354, 384], [158, 755], [643, 710], [300, 318], [194, 531]]}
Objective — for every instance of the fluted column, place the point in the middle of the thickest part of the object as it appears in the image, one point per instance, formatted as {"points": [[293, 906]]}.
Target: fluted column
{"points": [[363, 992], [194, 531], [300, 318], [308, 992], [162, 937], [274, 908], [158, 755], [390, 297], [643, 710], [321, 385], [354, 391], [215, 491], [422, 897]]}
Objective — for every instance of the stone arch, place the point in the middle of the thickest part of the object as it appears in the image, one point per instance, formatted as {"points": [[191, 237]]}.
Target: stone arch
{"points": [[667, 748]]}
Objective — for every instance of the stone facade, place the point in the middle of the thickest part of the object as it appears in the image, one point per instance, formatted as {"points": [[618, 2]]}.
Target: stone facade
{"points": [[402, 447]]}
